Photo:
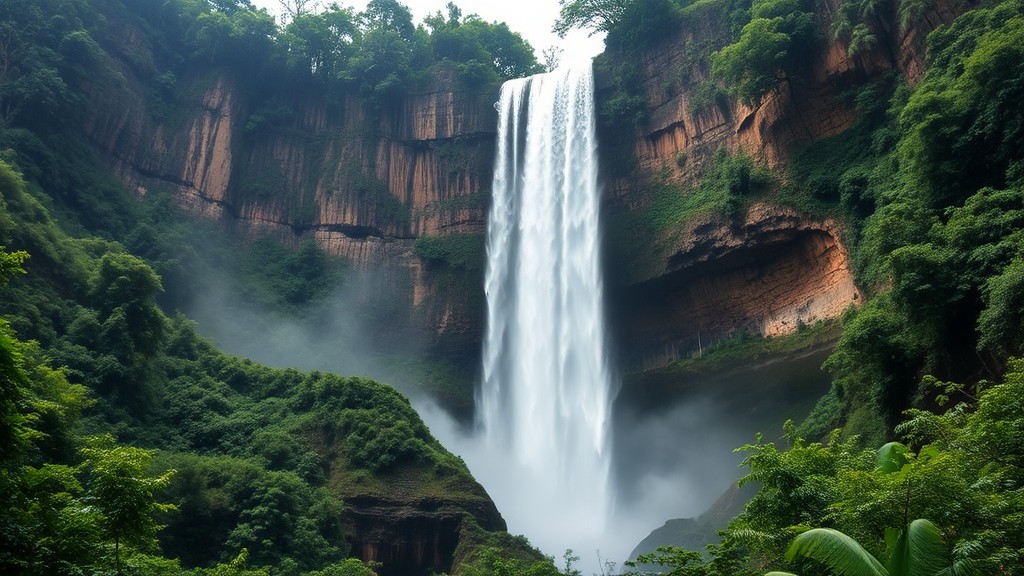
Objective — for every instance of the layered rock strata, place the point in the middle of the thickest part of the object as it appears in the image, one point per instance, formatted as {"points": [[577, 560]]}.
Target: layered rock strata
{"points": [[763, 276]]}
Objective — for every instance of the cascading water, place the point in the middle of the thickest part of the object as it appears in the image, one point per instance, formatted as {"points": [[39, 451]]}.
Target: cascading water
{"points": [[546, 383]]}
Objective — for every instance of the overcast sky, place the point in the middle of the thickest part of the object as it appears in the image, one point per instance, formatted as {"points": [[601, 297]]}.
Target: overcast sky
{"points": [[531, 18]]}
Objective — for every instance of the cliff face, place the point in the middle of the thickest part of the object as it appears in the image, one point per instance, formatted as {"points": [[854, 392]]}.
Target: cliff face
{"points": [[772, 269], [353, 179], [801, 108], [363, 184], [419, 537], [766, 275]]}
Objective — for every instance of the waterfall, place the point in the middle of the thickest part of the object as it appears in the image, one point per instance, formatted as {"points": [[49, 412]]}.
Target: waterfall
{"points": [[545, 397]]}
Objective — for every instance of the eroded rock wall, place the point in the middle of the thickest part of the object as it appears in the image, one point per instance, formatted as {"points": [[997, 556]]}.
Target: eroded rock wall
{"points": [[801, 108], [363, 183], [773, 269], [412, 537], [766, 275]]}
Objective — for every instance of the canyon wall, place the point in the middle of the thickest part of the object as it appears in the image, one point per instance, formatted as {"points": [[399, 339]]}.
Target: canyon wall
{"points": [[365, 184], [770, 270]]}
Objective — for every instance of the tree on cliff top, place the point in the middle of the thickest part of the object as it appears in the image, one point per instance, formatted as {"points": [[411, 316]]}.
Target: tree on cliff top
{"points": [[292, 9], [630, 25], [595, 15], [780, 34]]}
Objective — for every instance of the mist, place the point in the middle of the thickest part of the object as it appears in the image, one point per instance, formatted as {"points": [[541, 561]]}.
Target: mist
{"points": [[361, 328], [670, 457]]}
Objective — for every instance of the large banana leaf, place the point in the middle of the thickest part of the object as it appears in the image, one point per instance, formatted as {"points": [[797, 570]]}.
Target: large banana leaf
{"points": [[920, 551], [842, 554]]}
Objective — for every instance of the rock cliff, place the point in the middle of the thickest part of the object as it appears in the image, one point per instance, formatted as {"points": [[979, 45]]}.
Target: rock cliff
{"points": [[365, 184], [766, 275], [413, 537], [772, 269]]}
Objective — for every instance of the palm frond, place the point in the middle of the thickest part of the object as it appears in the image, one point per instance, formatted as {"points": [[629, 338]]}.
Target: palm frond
{"points": [[842, 554]]}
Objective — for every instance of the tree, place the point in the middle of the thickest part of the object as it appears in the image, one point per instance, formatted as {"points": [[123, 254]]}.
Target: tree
{"points": [[319, 45], [119, 487], [10, 264], [595, 15], [1001, 324], [231, 6], [292, 9], [774, 42], [752, 65], [124, 287], [389, 15], [681, 561]]}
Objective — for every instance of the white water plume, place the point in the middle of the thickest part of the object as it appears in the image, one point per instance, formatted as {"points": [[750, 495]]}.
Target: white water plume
{"points": [[544, 402]]}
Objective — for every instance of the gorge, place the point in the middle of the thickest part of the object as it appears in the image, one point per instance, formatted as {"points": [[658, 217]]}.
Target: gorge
{"points": [[590, 286], [370, 189]]}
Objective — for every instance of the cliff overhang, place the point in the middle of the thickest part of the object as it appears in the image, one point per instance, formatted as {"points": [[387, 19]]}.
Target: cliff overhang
{"points": [[764, 275]]}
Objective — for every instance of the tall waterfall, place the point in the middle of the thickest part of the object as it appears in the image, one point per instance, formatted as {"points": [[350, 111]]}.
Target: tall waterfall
{"points": [[546, 383]]}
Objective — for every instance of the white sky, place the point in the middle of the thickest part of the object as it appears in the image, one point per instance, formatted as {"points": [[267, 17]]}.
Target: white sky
{"points": [[530, 18]]}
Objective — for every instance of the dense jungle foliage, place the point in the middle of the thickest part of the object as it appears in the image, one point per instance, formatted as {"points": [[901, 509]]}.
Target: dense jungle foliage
{"points": [[250, 457]]}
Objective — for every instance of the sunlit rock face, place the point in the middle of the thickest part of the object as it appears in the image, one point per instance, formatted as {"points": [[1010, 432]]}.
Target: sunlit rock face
{"points": [[353, 178], [365, 185], [765, 276]]}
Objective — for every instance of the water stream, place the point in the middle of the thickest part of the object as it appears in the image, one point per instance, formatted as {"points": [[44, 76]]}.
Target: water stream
{"points": [[547, 387]]}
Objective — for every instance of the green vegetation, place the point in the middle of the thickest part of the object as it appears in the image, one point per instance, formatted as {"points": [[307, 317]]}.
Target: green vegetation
{"points": [[285, 278], [243, 457], [641, 240], [501, 554], [860, 22], [456, 251], [937, 222], [780, 36], [116, 419], [927, 186], [918, 550], [964, 478], [719, 357], [379, 50]]}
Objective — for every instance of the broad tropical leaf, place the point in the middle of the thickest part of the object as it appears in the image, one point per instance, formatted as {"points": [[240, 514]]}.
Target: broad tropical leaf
{"points": [[920, 551], [891, 457], [842, 554]]}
